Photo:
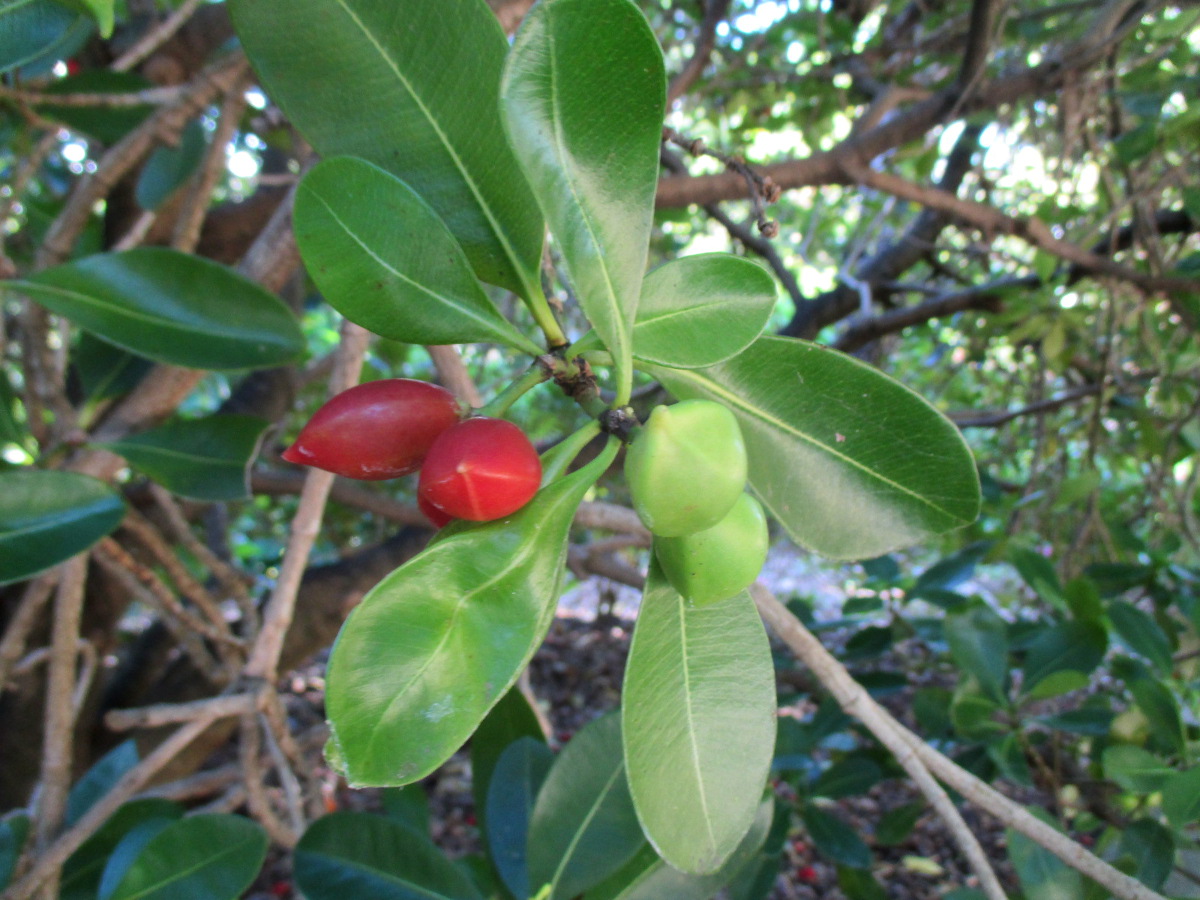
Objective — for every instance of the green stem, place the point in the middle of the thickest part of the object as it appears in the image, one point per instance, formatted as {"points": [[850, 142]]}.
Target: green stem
{"points": [[539, 306], [499, 405], [556, 460]]}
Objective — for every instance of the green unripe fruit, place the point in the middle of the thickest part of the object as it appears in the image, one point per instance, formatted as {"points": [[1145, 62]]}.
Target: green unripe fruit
{"points": [[686, 467], [718, 562]]}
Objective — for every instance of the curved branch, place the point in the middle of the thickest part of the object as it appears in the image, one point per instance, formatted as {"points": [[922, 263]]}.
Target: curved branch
{"points": [[854, 699], [714, 12]]}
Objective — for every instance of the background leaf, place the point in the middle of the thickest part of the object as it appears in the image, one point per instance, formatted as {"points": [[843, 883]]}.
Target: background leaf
{"points": [[347, 854], [106, 124], [85, 867], [584, 827], [648, 877], [13, 832], [1069, 647], [1142, 634], [835, 839], [169, 167], [583, 104], [509, 720], [513, 789], [204, 459], [851, 463], [978, 642], [30, 30], [383, 258], [170, 307], [1152, 849], [426, 654], [202, 857], [48, 517], [100, 778], [431, 115], [698, 720]]}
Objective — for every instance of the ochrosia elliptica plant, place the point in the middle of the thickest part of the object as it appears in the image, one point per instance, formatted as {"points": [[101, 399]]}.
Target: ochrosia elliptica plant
{"points": [[448, 156]]}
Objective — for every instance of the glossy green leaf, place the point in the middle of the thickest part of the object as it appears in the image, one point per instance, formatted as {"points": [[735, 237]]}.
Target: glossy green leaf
{"points": [[13, 832], [204, 459], [347, 854], [835, 839], [100, 778], [699, 311], [584, 827], [511, 719], [32, 28], [850, 462], [648, 877], [383, 258], [1181, 798], [513, 789], [1152, 849], [169, 167], [1069, 647], [583, 101], [427, 109], [202, 857], [698, 720], [1142, 634], [48, 517], [433, 646], [85, 867], [107, 124], [171, 307], [1043, 875], [1135, 769], [978, 642]]}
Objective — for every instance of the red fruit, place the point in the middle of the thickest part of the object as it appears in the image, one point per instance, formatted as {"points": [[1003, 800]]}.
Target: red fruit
{"points": [[481, 469], [377, 430], [806, 874], [436, 517]]}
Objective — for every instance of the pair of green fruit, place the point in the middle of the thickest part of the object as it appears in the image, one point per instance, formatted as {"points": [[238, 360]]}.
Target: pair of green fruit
{"points": [[686, 470]]}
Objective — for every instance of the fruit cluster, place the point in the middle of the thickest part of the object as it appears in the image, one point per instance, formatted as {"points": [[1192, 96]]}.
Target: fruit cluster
{"points": [[686, 470], [471, 468]]}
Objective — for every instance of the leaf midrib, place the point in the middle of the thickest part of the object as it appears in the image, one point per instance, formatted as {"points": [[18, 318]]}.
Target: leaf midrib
{"points": [[500, 234], [464, 599], [179, 874], [467, 311], [592, 812], [693, 745], [734, 400]]}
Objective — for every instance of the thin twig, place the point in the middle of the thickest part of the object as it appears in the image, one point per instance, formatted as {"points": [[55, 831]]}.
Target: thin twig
{"points": [[224, 707], [26, 616], [58, 743], [51, 860], [264, 657], [254, 775], [199, 195], [855, 700], [156, 37]]}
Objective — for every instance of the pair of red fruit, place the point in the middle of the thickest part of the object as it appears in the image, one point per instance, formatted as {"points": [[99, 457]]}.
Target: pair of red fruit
{"points": [[475, 468]]}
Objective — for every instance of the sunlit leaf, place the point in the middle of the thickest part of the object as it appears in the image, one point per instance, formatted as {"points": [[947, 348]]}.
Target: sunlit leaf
{"points": [[850, 462], [698, 720], [583, 97], [434, 645]]}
